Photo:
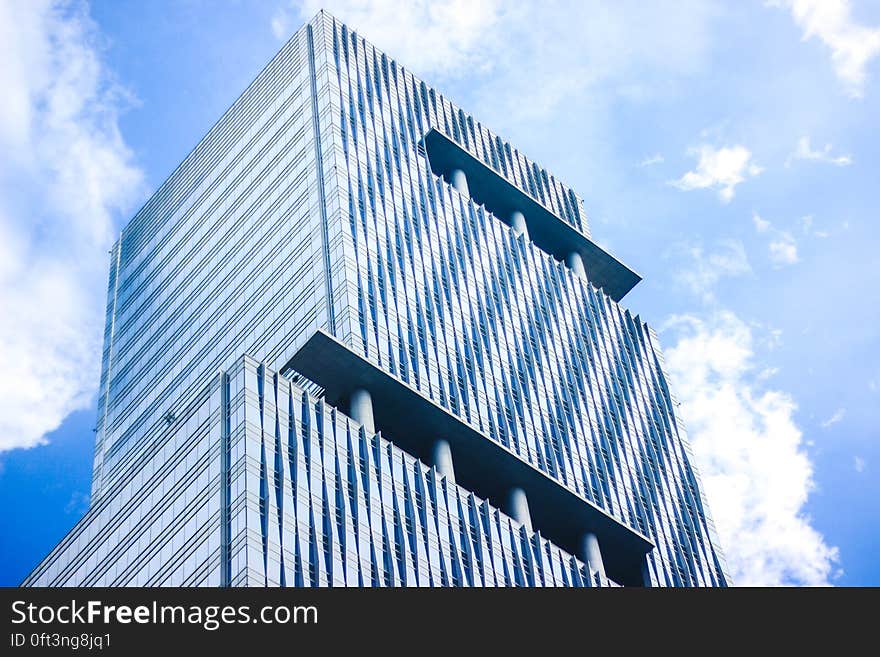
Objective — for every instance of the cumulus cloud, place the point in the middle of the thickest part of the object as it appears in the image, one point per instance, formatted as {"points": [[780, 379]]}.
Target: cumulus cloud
{"points": [[838, 415], [756, 472], [783, 251], [805, 152], [280, 25], [438, 37], [627, 48], [65, 173], [761, 224], [700, 270], [782, 245], [859, 464], [767, 372], [722, 168], [852, 45]]}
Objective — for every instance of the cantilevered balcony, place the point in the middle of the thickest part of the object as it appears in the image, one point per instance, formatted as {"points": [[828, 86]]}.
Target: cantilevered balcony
{"points": [[384, 403], [514, 206]]}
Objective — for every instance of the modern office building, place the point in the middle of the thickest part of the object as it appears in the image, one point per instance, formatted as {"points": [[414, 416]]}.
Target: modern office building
{"points": [[358, 339]]}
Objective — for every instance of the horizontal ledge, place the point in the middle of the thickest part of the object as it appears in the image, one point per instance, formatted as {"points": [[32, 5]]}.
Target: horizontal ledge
{"points": [[413, 422], [548, 231]]}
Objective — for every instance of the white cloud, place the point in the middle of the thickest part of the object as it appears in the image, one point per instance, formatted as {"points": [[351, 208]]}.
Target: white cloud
{"points": [[702, 270], [805, 152], [783, 251], [838, 415], [438, 37], [767, 373], [280, 25], [782, 245], [852, 45], [656, 158], [723, 168], [761, 225], [64, 174], [630, 49], [78, 503], [859, 464], [756, 473]]}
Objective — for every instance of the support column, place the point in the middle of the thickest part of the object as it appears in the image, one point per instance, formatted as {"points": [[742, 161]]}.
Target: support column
{"points": [[441, 455], [360, 408], [574, 262], [518, 507], [592, 555], [459, 181], [518, 221]]}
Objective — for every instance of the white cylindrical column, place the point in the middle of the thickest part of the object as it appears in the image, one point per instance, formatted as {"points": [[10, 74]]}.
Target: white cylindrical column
{"points": [[360, 408], [574, 262], [459, 181], [646, 574], [518, 507], [592, 555], [518, 221], [441, 454]]}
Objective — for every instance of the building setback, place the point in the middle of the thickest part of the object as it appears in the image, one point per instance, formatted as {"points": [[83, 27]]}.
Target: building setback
{"points": [[358, 339]]}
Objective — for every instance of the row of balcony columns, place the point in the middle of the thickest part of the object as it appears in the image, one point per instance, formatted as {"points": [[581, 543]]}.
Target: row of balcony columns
{"points": [[516, 504], [517, 221]]}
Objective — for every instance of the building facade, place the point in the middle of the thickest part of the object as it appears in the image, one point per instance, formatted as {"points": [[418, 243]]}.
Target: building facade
{"points": [[358, 339]]}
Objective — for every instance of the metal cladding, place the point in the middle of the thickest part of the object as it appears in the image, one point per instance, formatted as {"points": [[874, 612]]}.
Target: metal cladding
{"points": [[310, 262]]}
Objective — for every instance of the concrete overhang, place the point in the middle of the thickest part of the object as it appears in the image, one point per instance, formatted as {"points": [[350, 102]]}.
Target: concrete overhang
{"points": [[413, 422], [548, 231]]}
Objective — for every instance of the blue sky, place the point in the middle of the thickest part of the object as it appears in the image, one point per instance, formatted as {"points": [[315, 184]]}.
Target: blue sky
{"points": [[726, 151]]}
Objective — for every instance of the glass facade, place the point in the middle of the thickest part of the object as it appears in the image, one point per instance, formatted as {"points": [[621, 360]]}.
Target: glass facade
{"points": [[317, 205]]}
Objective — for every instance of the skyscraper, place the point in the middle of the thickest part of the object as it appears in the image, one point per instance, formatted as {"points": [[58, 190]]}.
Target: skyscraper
{"points": [[357, 338]]}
